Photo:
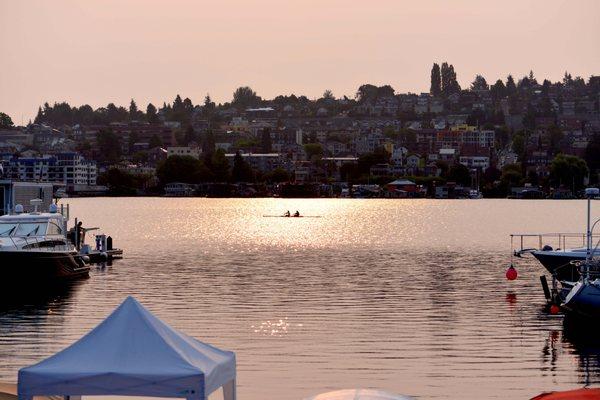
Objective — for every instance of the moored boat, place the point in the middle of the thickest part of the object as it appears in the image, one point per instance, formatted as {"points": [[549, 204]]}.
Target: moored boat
{"points": [[34, 247]]}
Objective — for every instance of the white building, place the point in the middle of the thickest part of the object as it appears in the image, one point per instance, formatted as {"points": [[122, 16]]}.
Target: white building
{"points": [[184, 151], [480, 162]]}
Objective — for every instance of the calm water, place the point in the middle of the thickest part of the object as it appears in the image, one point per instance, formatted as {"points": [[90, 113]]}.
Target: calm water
{"points": [[403, 295]]}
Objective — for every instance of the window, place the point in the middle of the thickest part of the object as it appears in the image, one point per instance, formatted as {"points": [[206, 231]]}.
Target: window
{"points": [[54, 229], [7, 229], [31, 229]]}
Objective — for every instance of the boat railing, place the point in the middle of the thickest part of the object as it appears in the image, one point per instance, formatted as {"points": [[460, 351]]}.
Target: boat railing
{"points": [[528, 242], [32, 243]]}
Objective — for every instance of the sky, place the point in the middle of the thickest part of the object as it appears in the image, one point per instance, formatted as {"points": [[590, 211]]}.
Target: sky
{"points": [[101, 51]]}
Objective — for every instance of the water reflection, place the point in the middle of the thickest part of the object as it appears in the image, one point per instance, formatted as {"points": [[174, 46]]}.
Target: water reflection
{"points": [[583, 335], [36, 298]]}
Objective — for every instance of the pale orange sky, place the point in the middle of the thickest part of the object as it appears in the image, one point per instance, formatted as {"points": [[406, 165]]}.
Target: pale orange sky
{"points": [[101, 51]]}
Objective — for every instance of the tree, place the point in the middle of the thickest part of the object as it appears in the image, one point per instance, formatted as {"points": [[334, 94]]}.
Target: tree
{"points": [[134, 113], [133, 139], [498, 90], [314, 151], [151, 114], [184, 169], [5, 121], [209, 107], [511, 175], [555, 137], [592, 155], [278, 175], [518, 144], [245, 97], [370, 92], [220, 166], [328, 95], [569, 171], [460, 174], [119, 182], [208, 143], [241, 171], [511, 87], [479, 83], [109, 146], [189, 136], [266, 141], [449, 83], [155, 141], [436, 80]]}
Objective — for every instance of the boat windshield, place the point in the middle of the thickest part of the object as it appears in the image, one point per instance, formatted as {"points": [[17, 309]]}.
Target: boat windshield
{"points": [[31, 229], [7, 229]]}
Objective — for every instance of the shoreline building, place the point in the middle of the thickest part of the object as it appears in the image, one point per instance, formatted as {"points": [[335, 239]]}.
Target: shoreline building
{"points": [[70, 169]]}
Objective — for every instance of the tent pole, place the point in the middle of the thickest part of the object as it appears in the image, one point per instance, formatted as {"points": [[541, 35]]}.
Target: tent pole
{"points": [[229, 392]]}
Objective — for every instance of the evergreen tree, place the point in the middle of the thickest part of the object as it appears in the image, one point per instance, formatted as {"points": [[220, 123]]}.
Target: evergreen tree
{"points": [[511, 87], [208, 144], [266, 141], [436, 80], [155, 141], [241, 172], [449, 82], [498, 90], [133, 110], [39, 118], [133, 139], [220, 166], [109, 146], [151, 114], [479, 83], [190, 136], [5, 121]]}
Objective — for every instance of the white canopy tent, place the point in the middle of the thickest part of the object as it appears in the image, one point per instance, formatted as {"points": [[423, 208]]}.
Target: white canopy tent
{"points": [[132, 353]]}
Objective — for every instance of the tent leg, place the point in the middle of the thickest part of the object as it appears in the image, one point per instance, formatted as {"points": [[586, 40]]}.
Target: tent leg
{"points": [[229, 390]]}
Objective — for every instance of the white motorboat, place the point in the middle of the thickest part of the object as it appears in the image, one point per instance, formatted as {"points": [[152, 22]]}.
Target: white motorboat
{"points": [[34, 246]]}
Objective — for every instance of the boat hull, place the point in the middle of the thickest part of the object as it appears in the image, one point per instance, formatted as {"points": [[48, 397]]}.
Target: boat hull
{"points": [[559, 264], [584, 299], [41, 266]]}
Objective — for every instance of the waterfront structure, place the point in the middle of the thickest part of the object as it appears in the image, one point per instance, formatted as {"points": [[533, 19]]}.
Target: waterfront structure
{"points": [[67, 168], [191, 151]]}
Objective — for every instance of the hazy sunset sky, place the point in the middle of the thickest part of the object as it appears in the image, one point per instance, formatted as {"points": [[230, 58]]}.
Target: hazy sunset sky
{"points": [[99, 51]]}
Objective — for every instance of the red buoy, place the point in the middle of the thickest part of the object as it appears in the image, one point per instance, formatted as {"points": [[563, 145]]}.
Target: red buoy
{"points": [[511, 273], [554, 309]]}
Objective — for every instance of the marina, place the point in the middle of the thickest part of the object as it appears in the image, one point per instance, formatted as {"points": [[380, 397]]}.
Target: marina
{"points": [[322, 304]]}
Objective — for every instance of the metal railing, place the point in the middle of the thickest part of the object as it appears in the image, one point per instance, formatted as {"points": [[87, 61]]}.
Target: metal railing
{"points": [[32, 243], [559, 241]]}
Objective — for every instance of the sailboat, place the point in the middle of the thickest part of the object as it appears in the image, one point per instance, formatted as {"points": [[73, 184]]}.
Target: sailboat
{"points": [[584, 297]]}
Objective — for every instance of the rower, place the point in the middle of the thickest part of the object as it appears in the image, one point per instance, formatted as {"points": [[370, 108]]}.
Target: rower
{"points": [[297, 213], [287, 213]]}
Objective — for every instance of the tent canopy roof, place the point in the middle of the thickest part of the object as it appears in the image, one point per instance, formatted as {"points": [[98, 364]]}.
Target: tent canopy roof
{"points": [[131, 353]]}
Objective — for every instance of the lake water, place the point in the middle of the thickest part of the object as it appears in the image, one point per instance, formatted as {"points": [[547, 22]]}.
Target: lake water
{"points": [[402, 295]]}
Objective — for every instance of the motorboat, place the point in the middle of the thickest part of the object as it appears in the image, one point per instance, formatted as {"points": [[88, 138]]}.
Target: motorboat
{"points": [[559, 261], [34, 246], [562, 263]]}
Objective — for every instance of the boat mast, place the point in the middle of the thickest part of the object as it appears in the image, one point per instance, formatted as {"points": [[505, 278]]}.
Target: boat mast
{"points": [[590, 194]]}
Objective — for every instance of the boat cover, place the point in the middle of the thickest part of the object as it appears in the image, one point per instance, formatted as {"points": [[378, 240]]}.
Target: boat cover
{"points": [[578, 394], [132, 353]]}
